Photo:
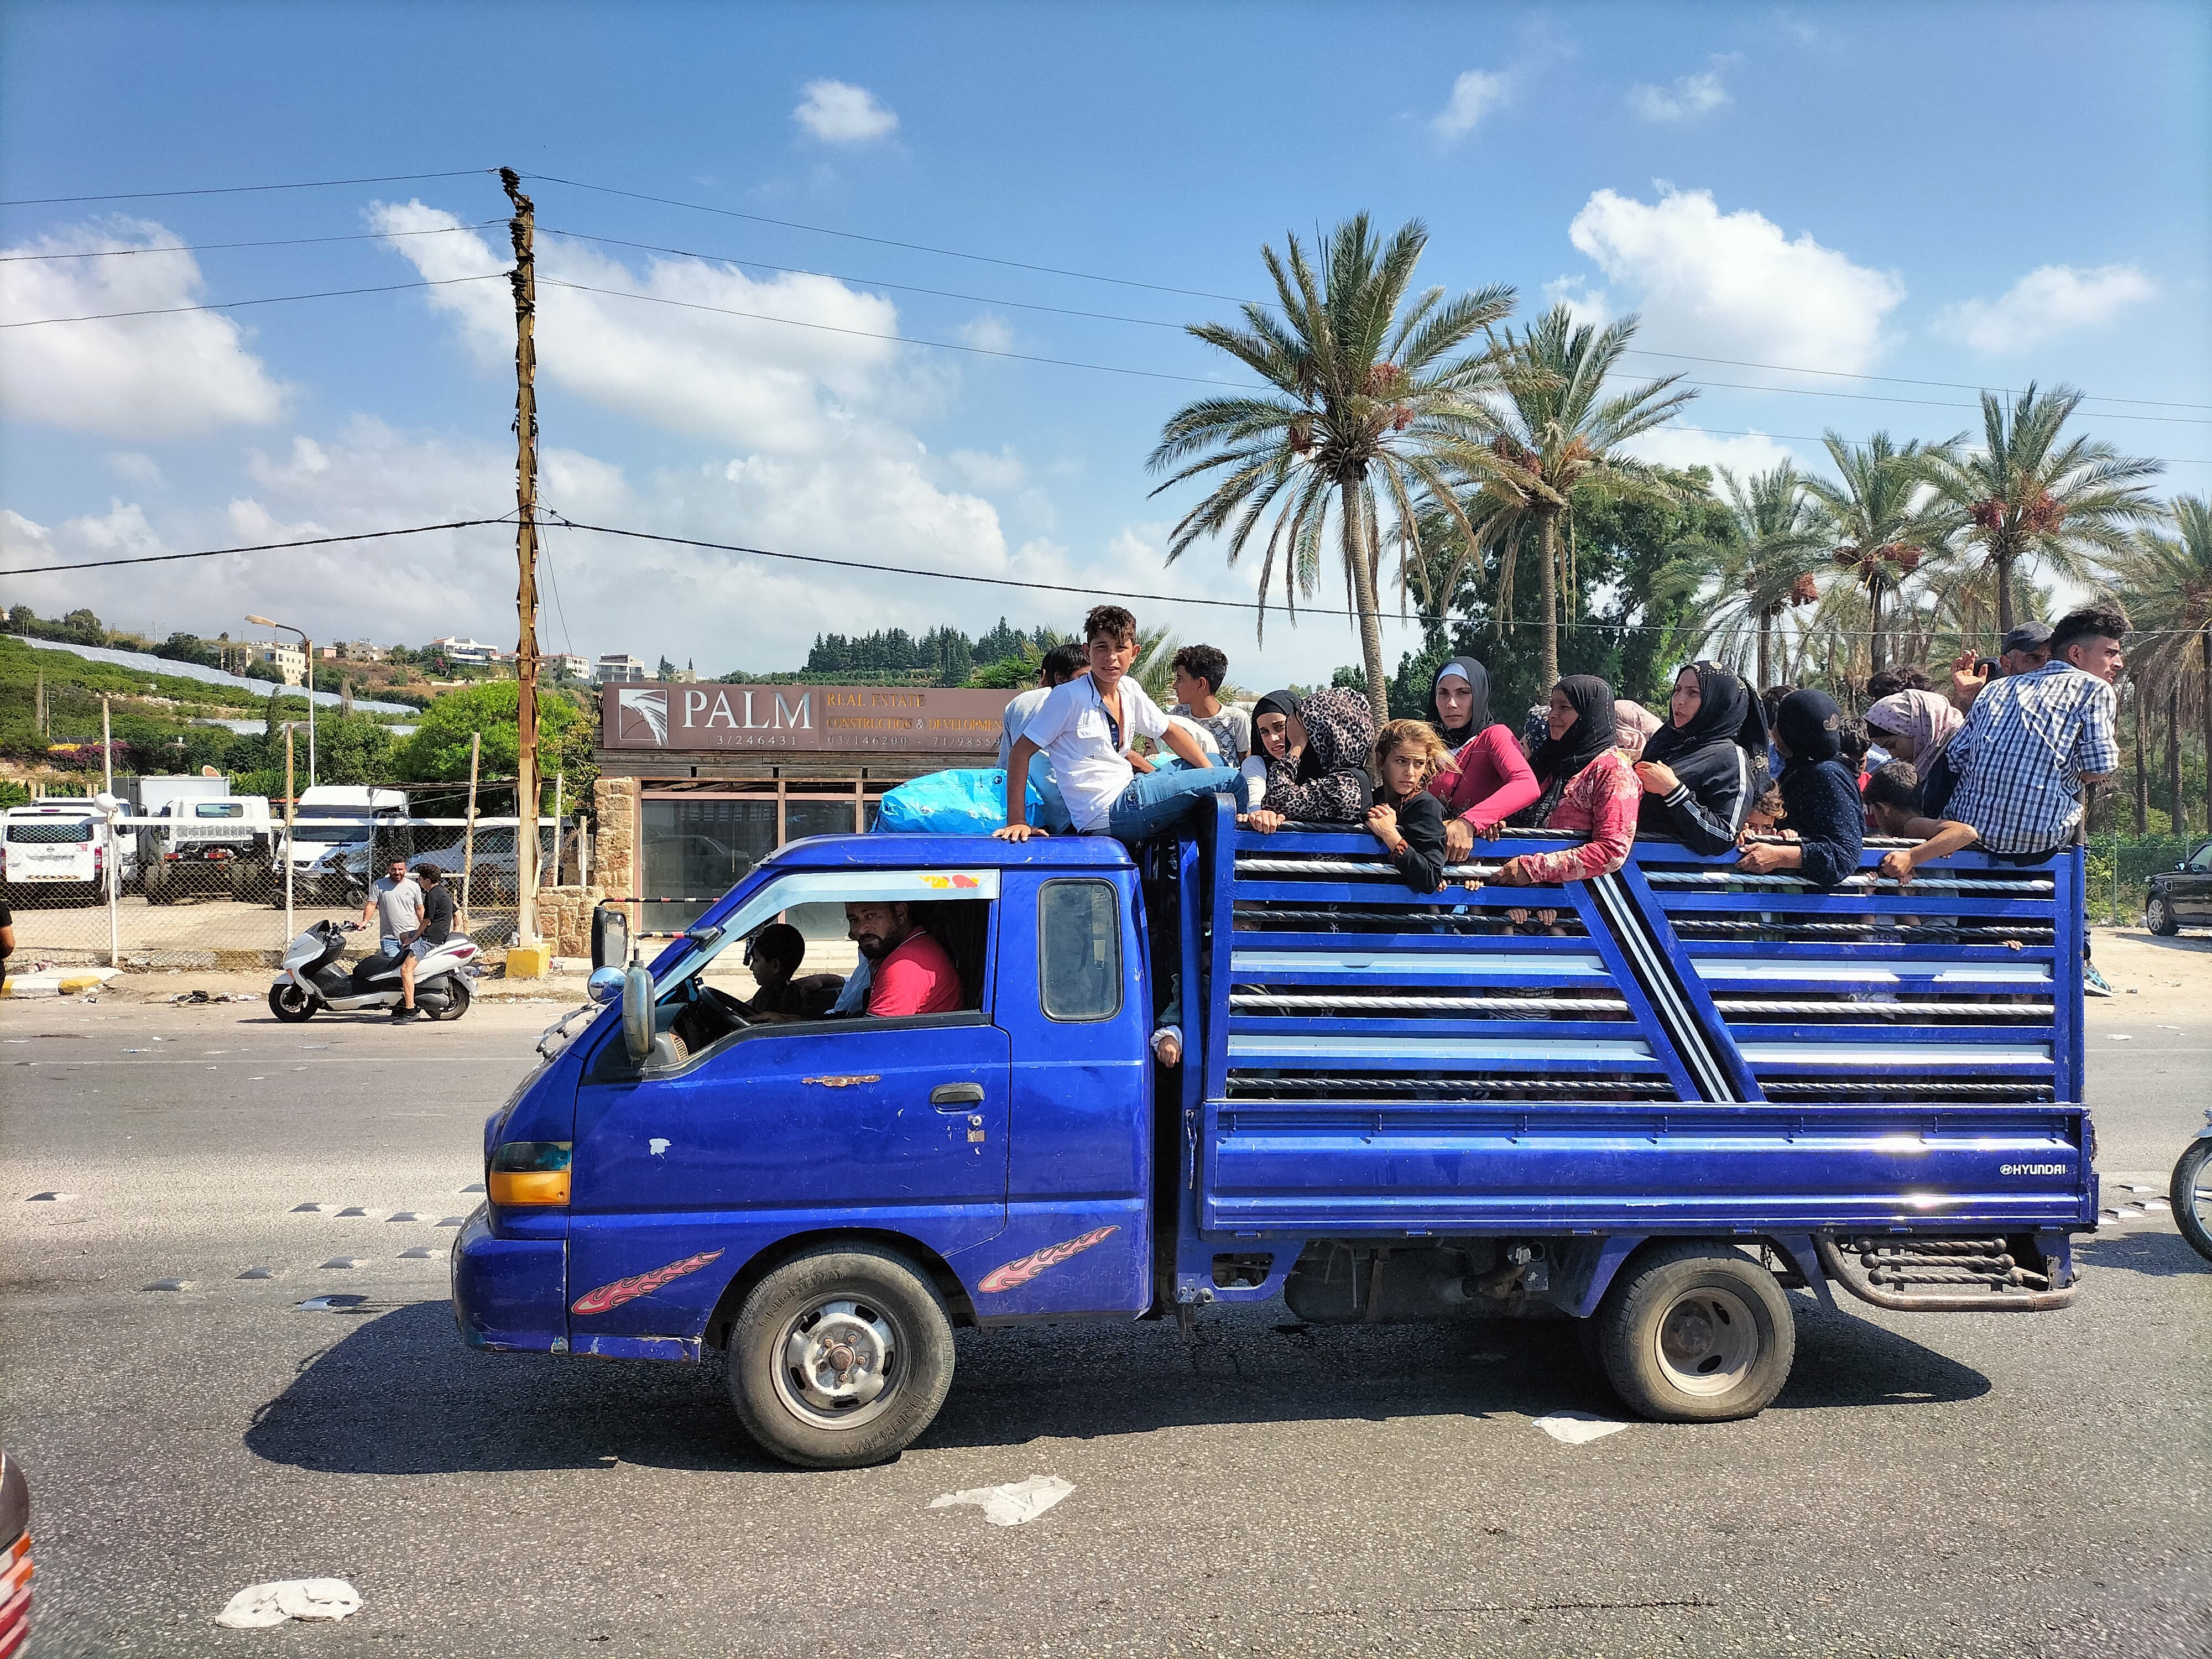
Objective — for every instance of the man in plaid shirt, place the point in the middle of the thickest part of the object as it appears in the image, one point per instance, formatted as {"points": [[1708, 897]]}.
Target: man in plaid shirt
{"points": [[2033, 742]]}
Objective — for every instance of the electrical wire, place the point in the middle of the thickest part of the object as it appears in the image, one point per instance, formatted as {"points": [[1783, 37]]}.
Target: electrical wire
{"points": [[258, 547], [1888, 380], [243, 190], [271, 300], [211, 247]]}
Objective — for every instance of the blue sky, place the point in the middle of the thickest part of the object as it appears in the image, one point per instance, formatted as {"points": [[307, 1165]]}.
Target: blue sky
{"points": [[1982, 194]]}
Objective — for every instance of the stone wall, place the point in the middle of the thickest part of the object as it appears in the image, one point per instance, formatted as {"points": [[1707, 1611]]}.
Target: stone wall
{"points": [[614, 840], [564, 919]]}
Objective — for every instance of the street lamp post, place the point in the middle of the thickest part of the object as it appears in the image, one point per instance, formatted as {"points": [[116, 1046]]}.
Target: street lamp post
{"points": [[307, 651]]}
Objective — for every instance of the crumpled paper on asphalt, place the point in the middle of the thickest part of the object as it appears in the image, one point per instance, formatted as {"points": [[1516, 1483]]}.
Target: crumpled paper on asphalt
{"points": [[1011, 1504], [259, 1606], [1578, 1428]]}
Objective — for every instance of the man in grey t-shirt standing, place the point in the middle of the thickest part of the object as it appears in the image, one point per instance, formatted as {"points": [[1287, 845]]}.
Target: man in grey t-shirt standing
{"points": [[395, 905]]}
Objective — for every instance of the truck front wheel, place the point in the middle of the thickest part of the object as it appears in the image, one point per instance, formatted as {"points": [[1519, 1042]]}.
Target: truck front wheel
{"points": [[840, 1358], [1693, 1333]]}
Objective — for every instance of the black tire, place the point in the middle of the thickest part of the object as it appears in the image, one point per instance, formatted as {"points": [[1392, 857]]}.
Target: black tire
{"points": [[2158, 915], [2192, 1213], [456, 998], [292, 1005], [1696, 1332], [876, 1307]]}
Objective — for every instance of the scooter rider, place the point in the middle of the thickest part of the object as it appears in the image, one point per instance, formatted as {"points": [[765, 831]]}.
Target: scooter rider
{"points": [[395, 905]]}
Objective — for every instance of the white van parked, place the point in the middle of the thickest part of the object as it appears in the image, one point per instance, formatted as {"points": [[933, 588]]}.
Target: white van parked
{"points": [[54, 849], [335, 840]]}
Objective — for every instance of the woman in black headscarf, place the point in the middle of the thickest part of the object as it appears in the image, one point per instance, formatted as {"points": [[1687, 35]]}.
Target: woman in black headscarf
{"points": [[1329, 783], [1588, 789], [1825, 813], [1703, 769]]}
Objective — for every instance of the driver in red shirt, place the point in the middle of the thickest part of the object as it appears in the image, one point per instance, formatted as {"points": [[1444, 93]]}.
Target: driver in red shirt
{"points": [[909, 972]]}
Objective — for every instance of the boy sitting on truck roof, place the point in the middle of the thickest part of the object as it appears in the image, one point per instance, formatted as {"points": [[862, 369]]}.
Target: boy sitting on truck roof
{"points": [[1087, 726]]}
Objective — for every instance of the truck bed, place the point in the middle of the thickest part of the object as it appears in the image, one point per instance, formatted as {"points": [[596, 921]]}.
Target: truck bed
{"points": [[1687, 1048]]}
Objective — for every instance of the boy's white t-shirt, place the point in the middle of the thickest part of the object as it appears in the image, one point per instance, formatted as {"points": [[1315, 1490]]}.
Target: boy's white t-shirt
{"points": [[1072, 728]]}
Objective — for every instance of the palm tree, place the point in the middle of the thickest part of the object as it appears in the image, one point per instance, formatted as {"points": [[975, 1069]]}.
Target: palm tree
{"points": [[1761, 566], [1884, 519], [1362, 390], [2167, 582], [2026, 494], [1562, 434]]}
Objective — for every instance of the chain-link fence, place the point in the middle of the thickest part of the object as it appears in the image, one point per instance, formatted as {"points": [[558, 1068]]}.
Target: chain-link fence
{"points": [[2120, 869], [166, 892]]}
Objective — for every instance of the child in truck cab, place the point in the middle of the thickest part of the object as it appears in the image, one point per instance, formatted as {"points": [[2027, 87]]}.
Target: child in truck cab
{"points": [[1087, 726], [1404, 816]]}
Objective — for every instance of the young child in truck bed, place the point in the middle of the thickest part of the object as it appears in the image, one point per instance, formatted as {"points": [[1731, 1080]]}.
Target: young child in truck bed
{"points": [[1403, 815]]}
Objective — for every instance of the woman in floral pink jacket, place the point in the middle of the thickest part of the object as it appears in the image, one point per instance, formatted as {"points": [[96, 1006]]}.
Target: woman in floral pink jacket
{"points": [[1589, 789]]}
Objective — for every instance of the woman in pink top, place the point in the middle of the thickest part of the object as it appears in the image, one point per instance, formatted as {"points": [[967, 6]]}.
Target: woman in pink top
{"points": [[1589, 789], [1489, 779]]}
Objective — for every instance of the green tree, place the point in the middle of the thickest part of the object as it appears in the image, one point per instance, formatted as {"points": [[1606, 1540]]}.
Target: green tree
{"points": [[2031, 492], [1760, 564], [2166, 581], [1563, 437], [1884, 522], [1372, 396], [438, 751]]}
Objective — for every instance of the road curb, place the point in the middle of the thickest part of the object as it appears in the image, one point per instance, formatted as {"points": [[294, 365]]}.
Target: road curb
{"points": [[57, 982]]}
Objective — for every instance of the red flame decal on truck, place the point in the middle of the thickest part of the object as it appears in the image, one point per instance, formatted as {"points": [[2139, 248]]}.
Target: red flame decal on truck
{"points": [[1023, 1269], [637, 1284]]}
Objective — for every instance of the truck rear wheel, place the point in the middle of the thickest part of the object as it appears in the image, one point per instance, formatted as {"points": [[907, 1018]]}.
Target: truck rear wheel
{"points": [[840, 1358], [1694, 1333]]}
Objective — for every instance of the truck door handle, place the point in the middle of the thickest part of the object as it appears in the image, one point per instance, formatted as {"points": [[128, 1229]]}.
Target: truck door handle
{"points": [[955, 1094]]}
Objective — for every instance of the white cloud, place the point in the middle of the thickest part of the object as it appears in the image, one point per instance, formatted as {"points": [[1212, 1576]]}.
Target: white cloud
{"points": [[1590, 304], [2050, 300], [1734, 285], [1476, 93], [1686, 446], [1688, 99], [133, 468], [825, 367], [838, 113], [988, 333], [980, 469], [145, 377]]}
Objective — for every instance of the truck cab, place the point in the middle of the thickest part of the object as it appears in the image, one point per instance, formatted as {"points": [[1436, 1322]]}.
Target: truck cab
{"points": [[206, 844], [1691, 1092]]}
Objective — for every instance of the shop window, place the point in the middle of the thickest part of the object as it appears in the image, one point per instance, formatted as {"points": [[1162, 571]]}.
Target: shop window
{"points": [[695, 851]]}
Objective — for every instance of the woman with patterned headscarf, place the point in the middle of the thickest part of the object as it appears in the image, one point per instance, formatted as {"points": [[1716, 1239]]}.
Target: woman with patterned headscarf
{"points": [[1328, 783], [1588, 788], [1703, 768], [1918, 726], [1825, 813]]}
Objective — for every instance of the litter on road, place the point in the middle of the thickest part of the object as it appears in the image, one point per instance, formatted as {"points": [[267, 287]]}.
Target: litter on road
{"points": [[1578, 1428], [258, 1607], [1011, 1504]]}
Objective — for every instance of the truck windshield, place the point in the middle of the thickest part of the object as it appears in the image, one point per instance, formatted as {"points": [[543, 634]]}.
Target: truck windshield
{"points": [[357, 829], [219, 809], [48, 832]]}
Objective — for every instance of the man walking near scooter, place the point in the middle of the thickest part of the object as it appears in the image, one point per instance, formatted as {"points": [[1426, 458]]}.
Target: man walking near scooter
{"points": [[395, 905]]}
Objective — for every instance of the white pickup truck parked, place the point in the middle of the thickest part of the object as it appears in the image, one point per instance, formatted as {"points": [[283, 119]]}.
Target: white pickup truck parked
{"points": [[55, 850], [218, 845]]}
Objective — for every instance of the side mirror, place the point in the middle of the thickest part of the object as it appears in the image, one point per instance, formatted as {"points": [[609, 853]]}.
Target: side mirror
{"points": [[609, 937], [605, 985], [637, 1014]]}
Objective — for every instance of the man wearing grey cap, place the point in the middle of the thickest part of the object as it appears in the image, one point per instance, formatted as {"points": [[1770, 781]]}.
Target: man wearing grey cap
{"points": [[2025, 649]]}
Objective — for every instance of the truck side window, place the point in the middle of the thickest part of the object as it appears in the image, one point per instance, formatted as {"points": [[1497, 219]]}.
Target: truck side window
{"points": [[1079, 950]]}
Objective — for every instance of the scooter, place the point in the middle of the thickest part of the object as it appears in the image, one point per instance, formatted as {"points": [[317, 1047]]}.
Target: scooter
{"points": [[2192, 1191], [314, 978]]}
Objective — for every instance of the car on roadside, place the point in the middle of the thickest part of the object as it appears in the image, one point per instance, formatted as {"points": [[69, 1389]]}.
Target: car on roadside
{"points": [[15, 1568], [2182, 897]]}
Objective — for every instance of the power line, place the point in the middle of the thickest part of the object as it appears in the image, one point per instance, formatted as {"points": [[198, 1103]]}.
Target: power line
{"points": [[241, 190], [1889, 379], [1808, 438], [258, 547], [887, 241], [271, 300], [211, 247]]}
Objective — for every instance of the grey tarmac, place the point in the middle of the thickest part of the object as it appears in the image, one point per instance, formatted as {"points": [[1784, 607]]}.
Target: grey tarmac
{"points": [[1976, 1486]]}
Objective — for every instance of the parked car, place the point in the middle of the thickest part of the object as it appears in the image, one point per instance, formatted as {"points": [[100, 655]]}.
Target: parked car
{"points": [[54, 849], [2182, 897]]}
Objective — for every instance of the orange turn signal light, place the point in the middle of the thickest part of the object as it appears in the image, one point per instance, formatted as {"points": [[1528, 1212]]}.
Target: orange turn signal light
{"points": [[529, 1172]]}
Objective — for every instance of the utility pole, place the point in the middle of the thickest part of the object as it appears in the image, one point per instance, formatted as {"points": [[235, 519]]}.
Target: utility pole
{"points": [[524, 277]]}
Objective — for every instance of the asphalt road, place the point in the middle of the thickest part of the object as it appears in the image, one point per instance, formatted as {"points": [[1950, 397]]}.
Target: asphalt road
{"points": [[1980, 1485]]}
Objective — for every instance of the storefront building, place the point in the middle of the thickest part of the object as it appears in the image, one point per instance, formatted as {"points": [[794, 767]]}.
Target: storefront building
{"points": [[719, 777]]}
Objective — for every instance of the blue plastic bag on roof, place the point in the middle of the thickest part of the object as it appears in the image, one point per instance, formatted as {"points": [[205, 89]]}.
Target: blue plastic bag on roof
{"points": [[963, 801]]}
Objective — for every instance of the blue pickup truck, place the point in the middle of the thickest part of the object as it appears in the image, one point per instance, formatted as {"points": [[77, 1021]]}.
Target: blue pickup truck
{"points": [[1652, 1104]]}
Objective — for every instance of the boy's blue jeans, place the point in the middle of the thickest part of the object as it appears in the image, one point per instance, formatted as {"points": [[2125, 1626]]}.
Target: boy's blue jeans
{"points": [[1155, 802]]}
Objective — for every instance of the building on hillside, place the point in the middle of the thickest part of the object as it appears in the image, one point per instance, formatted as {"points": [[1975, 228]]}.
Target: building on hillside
{"points": [[683, 677], [360, 651], [288, 660], [455, 649], [713, 778], [616, 669], [557, 665]]}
